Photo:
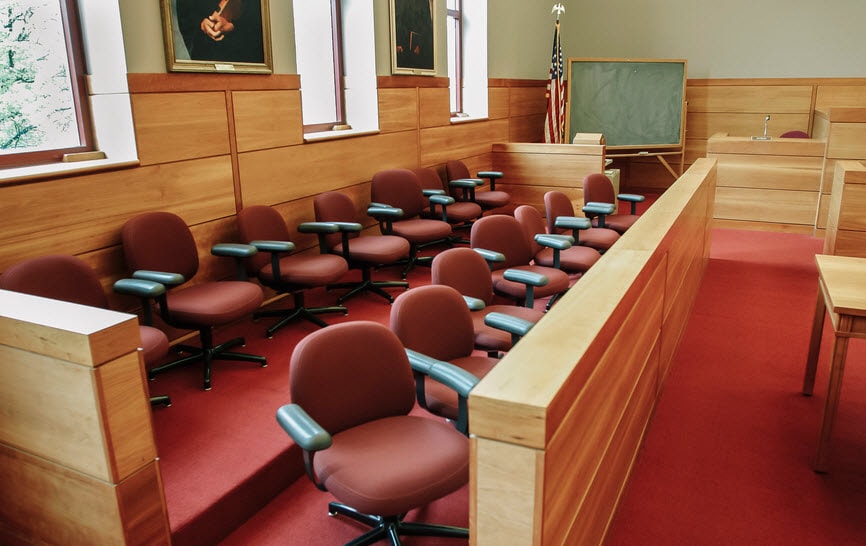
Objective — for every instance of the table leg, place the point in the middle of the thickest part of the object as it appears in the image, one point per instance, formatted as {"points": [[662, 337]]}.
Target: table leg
{"points": [[814, 345], [834, 389]]}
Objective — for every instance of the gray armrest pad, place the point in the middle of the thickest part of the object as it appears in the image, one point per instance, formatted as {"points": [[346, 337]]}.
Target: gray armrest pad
{"points": [[303, 429], [572, 222], [348, 226], [318, 227], [448, 374], [508, 323], [632, 197], [274, 246], [234, 250], [429, 192], [139, 287], [525, 277], [466, 182], [489, 174], [490, 255], [558, 242], [474, 304], [599, 208], [162, 277], [384, 211], [442, 199]]}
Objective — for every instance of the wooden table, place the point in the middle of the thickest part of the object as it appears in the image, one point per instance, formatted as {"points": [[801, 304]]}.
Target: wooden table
{"points": [[842, 294]]}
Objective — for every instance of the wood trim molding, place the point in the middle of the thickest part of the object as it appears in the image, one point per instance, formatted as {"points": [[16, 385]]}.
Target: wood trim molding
{"points": [[167, 83], [503, 82], [395, 82], [775, 81]]}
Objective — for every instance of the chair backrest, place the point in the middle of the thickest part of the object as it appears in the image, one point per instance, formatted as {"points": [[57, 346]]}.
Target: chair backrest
{"points": [[557, 204], [261, 223], [598, 188], [456, 170], [334, 206], [159, 241], [502, 233], [428, 178], [351, 373], [399, 188], [57, 276], [464, 270], [434, 320], [794, 134], [532, 223]]}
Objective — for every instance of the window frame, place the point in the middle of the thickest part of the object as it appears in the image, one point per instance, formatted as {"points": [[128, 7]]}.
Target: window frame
{"points": [[455, 17], [77, 66], [339, 83]]}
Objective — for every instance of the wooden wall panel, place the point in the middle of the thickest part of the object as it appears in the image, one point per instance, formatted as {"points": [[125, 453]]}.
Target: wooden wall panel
{"points": [[528, 100], [498, 102], [283, 174], [847, 141], [461, 140], [742, 124], [763, 205], [267, 119], [526, 128], [434, 107], [829, 96], [790, 99], [172, 127], [398, 110]]}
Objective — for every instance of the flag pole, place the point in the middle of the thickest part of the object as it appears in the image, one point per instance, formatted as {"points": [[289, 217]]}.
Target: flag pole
{"points": [[554, 122]]}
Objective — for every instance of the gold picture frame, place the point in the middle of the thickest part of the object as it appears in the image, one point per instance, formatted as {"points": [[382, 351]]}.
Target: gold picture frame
{"points": [[225, 36], [413, 37]]}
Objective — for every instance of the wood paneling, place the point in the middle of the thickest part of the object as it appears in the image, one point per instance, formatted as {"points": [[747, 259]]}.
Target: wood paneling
{"points": [[267, 119], [497, 102], [527, 100], [176, 126], [461, 140], [564, 412], [846, 223], [398, 110], [76, 443], [784, 99], [434, 107]]}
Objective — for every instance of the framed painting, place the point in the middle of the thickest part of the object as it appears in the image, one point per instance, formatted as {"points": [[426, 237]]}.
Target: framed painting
{"points": [[228, 36], [413, 44]]}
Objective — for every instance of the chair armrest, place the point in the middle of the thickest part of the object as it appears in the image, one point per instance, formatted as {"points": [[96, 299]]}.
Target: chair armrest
{"points": [[377, 210], [572, 222], [599, 208], [302, 428], [429, 192], [318, 227], [554, 241], [458, 379], [139, 287], [492, 176], [490, 255], [442, 199], [465, 182], [474, 304], [273, 246], [513, 325], [161, 277], [525, 277], [233, 250], [349, 227], [632, 198]]}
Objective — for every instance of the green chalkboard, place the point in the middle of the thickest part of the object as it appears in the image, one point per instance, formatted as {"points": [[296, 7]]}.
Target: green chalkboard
{"points": [[634, 103]]}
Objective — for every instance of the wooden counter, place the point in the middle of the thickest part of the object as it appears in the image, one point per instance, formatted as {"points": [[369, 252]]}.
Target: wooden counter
{"points": [[767, 184], [77, 454], [846, 221], [844, 130], [557, 424], [531, 170]]}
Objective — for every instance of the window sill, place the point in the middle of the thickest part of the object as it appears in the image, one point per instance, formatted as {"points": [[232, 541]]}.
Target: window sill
{"points": [[468, 119], [17, 175], [334, 135]]}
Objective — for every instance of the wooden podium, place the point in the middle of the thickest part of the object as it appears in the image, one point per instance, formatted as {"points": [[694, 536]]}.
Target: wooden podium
{"points": [[78, 461]]}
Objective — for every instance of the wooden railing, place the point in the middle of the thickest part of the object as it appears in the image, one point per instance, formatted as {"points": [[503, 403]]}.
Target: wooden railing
{"points": [[557, 424]]}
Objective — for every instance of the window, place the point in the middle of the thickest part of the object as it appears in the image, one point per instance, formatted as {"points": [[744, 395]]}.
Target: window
{"points": [[47, 112], [336, 63], [467, 58], [41, 83]]}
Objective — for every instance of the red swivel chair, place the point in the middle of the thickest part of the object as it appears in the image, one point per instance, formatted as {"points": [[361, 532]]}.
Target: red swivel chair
{"points": [[600, 203], [464, 186], [572, 260], [159, 247], [503, 235], [467, 271], [561, 219], [361, 252], [67, 278], [460, 215], [264, 228], [397, 203], [352, 391], [435, 321]]}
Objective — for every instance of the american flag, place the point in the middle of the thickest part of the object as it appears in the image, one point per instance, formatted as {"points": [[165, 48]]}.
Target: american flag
{"points": [[554, 123]]}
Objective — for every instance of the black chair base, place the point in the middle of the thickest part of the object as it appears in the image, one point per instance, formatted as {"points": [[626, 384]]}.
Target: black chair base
{"points": [[391, 527], [299, 311], [367, 284], [207, 353], [161, 400]]}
